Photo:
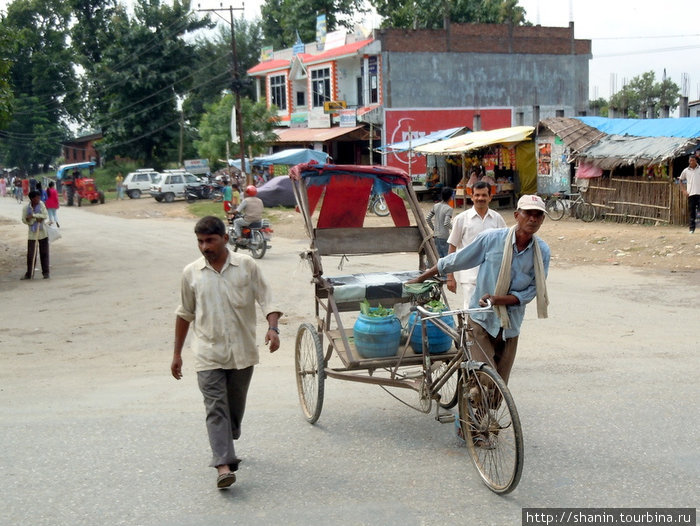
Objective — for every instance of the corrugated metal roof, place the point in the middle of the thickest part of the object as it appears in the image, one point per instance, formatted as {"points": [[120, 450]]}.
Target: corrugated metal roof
{"points": [[575, 134], [617, 150]]}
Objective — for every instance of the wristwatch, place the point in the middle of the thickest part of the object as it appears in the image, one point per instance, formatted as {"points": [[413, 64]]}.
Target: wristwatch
{"points": [[273, 329]]}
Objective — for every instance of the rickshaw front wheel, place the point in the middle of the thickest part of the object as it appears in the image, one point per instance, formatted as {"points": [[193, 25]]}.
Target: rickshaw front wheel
{"points": [[309, 369]]}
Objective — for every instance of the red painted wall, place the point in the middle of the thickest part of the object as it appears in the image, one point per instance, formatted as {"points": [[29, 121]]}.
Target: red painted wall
{"points": [[423, 122]]}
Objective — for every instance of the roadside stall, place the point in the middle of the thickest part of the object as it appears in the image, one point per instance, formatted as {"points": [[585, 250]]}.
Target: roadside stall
{"points": [[504, 157]]}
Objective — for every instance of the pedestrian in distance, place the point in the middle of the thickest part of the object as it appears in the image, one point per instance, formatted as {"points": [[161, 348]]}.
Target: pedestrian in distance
{"points": [[439, 219], [34, 215], [119, 182], [465, 227], [52, 203], [218, 294], [690, 181], [513, 265]]}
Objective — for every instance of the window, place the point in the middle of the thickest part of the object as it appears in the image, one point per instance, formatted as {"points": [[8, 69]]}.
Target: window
{"points": [[373, 80], [535, 115], [320, 86], [519, 118], [559, 113], [476, 122], [301, 99], [278, 91], [360, 89]]}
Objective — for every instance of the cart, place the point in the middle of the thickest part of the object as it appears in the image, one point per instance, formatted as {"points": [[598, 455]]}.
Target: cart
{"points": [[333, 201]]}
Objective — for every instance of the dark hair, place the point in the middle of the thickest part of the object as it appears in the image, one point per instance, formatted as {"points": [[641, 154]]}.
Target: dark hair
{"points": [[51, 184], [33, 194], [482, 184], [210, 225], [446, 193]]}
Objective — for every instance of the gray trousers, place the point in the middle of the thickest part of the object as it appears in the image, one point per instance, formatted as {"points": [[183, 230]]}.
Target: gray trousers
{"points": [[225, 392]]}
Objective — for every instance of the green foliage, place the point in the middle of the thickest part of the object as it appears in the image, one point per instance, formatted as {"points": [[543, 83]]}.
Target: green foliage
{"points": [[643, 92], [40, 78], [429, 14], [436, 306], [281, 19], [6, 93], [144, 70], [599, 106], [375, 312], [215, 128]]}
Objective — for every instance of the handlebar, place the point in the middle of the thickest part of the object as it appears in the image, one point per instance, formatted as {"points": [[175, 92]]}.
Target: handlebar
{"points": [[426, 314]]}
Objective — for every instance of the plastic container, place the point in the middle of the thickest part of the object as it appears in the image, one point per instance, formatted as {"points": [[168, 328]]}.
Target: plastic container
{"points": [[377, 337], [438, 341]]}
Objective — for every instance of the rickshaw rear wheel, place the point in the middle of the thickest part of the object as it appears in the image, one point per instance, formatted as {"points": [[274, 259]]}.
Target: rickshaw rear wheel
{"points": [[309, 369], [491, 428]]}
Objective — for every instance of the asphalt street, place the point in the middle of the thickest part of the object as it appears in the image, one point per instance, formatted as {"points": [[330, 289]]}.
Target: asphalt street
{"points": [[94, 430]]}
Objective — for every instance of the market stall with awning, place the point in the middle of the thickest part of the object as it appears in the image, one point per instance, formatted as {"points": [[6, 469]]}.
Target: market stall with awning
{"points": [[505, 155]]}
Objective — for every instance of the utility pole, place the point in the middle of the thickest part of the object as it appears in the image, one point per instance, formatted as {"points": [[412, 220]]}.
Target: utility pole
{"points": [[236, 84]]}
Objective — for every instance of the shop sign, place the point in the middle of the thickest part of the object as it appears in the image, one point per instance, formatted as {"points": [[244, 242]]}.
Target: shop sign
{"points": [[298, 120], [318, 119], [400, 123], [348, 118]]}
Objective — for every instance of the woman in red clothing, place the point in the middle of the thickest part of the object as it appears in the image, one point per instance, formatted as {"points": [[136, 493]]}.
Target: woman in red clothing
{"points": [[52, 204]]}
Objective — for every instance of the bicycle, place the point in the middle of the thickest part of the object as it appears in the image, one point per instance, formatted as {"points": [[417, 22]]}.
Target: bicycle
{"points": [[488, 418], [556, 205]]}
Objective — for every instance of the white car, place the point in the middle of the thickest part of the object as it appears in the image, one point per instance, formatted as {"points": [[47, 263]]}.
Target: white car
{"points": [[171, 184], [139, 182]]}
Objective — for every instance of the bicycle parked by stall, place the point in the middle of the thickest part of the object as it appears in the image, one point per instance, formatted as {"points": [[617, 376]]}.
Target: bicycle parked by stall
{"points": [[558, 203]]}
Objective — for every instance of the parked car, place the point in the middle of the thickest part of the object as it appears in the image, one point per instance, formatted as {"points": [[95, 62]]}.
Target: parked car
{"points": [[139, 182], [170, 185]]}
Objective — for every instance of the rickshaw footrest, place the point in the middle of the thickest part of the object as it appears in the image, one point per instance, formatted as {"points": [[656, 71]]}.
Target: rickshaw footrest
{"points": [[445, 418]]}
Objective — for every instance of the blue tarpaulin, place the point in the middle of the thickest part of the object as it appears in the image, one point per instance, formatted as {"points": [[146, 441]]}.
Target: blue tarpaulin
{"points": [[291, 157], [686, 128]]}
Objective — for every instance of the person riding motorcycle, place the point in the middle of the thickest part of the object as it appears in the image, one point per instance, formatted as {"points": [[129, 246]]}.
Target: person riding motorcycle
{"points": [[249, 211]]}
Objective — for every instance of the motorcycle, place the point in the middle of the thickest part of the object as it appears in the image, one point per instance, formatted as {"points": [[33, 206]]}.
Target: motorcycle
{"points": [[256, 238], [205, 191], [377, 204]]}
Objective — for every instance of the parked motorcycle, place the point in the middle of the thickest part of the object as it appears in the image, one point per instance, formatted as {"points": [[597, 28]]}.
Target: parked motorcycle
{"points": [[205, 191], [256, 238], [377, 205]]}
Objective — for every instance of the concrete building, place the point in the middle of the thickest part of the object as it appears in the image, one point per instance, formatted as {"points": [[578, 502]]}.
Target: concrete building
{"points": [[409, 83]]}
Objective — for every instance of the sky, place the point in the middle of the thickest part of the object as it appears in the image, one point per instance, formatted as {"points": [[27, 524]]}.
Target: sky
{"points": [[629, 37]]}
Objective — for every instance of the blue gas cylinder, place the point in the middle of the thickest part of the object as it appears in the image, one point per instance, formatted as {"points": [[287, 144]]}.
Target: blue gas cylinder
{"points": [[438, 341]]}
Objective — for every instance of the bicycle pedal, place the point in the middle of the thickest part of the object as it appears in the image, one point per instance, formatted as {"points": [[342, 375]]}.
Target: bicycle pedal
{"points": [[445, 418]]}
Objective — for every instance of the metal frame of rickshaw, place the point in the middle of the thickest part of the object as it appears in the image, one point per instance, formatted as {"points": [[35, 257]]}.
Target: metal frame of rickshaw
{"points": [[363, 241], [488, 417]]}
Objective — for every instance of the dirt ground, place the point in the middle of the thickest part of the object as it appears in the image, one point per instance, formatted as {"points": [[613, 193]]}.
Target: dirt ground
{"points": [[663, 248]]}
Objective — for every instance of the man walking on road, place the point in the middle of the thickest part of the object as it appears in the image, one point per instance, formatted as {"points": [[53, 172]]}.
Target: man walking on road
{"points": [[690, 180], [465, 227], [217, 297], [513, 265]]}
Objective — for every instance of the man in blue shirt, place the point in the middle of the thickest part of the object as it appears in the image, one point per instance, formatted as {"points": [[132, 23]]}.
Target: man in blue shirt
{"points": [[526, 258]]}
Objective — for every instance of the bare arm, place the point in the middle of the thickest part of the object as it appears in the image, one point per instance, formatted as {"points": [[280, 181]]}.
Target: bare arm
{"points": [[451, 282], [272, 337], [182, 326], [431, 272]]}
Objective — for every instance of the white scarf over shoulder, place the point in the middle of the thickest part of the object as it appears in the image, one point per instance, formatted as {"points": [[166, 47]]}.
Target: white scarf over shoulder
{"points": [[503, 282]]}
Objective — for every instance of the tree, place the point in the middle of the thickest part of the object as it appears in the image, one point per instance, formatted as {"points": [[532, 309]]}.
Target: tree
{"points": [[6, 93], [214, 57], [215, 127], [643, 93], [42, 79], [146, 72], [430, 14], [282, 19]]}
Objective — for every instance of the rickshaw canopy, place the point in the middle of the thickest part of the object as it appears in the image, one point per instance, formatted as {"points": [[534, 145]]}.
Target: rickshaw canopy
{"points": [[346, 190]]}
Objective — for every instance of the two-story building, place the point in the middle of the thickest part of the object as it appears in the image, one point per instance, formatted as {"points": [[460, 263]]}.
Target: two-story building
{"points": [[408, 83]]}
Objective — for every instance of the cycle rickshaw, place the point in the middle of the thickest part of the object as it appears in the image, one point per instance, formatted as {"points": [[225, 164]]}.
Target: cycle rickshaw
{"points": [[333, 200]]}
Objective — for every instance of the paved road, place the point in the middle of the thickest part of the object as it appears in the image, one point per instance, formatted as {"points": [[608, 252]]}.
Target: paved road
{"points": [[95, 431]]}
